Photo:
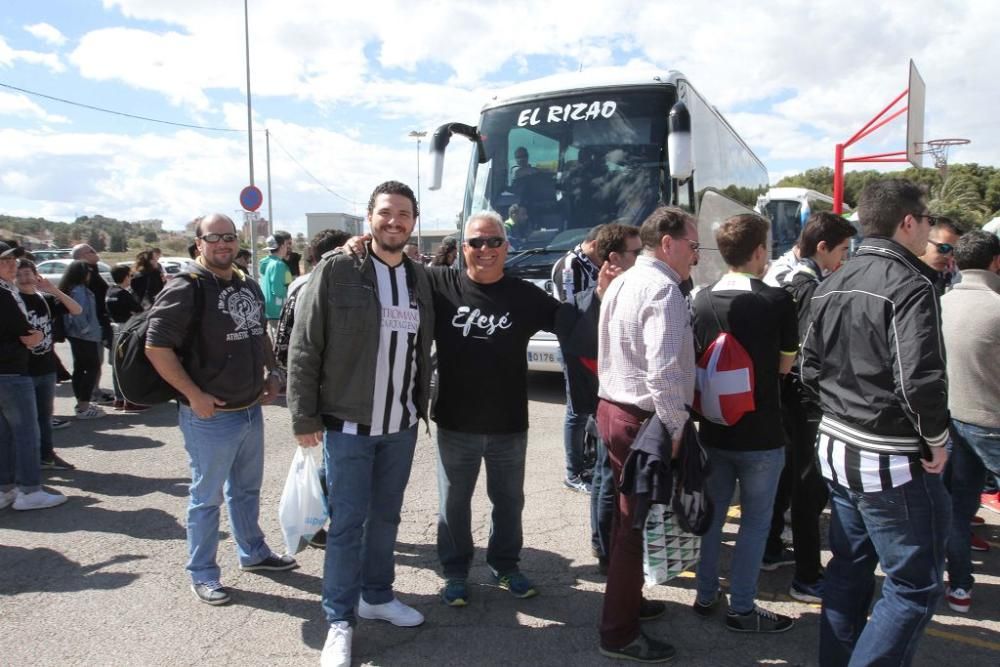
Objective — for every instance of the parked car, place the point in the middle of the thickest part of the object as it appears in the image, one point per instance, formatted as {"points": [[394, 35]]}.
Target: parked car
{"points": [[51, 253], [54, 269], [173, 265]]}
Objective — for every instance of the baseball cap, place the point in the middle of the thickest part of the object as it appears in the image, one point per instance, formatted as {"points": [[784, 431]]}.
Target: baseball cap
{"points": [[7, 251], [272, 243]]}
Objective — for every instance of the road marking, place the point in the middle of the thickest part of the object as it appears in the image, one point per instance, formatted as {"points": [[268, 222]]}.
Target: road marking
{"points": [[734, 512], [962, 639]]}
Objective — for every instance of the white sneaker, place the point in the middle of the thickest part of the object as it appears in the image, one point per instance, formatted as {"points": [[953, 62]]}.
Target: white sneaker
{"points": [[337, 649], [38, 500], [959, 599], [394, 611], [92, 412], [7, 498]]}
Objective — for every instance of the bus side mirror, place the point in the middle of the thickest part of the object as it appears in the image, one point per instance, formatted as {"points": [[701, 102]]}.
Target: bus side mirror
{"points": [[439, 142], [679, 142]]}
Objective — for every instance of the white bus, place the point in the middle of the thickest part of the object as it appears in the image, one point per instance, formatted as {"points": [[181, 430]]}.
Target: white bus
{"points": [[789, 209], [607, 145]]}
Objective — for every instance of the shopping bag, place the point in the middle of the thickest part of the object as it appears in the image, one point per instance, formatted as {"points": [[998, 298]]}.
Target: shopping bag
{"points": [[302, 510], [666, 549]]}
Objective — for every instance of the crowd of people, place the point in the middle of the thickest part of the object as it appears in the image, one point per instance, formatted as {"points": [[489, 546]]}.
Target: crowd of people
{"points": [[845, 398]]}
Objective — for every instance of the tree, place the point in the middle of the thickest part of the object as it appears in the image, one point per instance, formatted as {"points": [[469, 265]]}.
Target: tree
{"points": [[150, 237], [95, 240], [959, 199], [118, 243]]}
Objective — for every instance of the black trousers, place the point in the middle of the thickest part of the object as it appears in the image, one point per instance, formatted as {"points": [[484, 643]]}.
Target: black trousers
{"points": [[801, 486], [86, 364]]}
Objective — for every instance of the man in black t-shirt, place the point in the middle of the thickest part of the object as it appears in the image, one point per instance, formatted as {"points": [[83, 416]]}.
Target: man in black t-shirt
{"points": [[99, 287], [121, 304], [483, 321], [751, 451]]}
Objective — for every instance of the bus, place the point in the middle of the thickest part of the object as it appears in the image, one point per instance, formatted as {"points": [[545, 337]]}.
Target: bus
{"points": [[607, 145], [788, 209]]}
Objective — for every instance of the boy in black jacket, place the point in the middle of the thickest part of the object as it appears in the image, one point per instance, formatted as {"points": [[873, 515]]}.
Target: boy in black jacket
{"points": [[122, 305]]}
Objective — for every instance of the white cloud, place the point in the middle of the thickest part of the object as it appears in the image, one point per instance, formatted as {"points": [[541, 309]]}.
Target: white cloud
{"points": [[9, 57], [17, 104], [47, 33]]}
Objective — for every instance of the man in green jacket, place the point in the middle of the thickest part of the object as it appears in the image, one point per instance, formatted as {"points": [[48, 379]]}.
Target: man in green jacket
{"points": [[275, 278]]}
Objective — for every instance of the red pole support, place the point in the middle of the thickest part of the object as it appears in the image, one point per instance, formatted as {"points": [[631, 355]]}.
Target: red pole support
{"points": [[838, 180]]}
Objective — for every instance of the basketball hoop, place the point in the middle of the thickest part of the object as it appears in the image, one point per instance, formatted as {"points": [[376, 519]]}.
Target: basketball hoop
{"points": [[939, 149]]}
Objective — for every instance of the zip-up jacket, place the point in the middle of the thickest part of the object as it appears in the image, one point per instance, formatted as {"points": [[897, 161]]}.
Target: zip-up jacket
{"points": [[873, 356], [335, 341]]}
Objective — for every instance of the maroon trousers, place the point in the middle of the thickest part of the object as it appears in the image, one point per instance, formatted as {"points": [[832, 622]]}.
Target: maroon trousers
{"points": [[618, 425]]}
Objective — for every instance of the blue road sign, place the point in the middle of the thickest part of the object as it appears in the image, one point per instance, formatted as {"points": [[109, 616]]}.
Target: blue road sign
{"points": [[251, 198]]}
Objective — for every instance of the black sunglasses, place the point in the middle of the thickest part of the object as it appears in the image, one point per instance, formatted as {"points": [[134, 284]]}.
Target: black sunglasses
{"points": [[931, 219], [478, 242], [228, 237], [943, 248]]}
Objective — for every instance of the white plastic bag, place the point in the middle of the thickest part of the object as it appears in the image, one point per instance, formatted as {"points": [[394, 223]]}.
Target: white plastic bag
{"points": [[302, 510]]}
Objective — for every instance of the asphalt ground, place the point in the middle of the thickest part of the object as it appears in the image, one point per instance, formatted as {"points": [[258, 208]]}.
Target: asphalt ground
{"points": [[101, 580]]}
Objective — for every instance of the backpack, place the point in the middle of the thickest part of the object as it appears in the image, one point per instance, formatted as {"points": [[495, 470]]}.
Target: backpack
{"points": [[724, 378], [691, 505], [138, 380]]}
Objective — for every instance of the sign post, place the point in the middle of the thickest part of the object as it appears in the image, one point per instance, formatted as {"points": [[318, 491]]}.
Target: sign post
{"points": [[250, 199]]}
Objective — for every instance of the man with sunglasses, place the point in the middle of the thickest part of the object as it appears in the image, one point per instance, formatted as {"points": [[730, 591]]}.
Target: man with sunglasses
{"points": [[873, 359], [940, 252], [216, 315]]}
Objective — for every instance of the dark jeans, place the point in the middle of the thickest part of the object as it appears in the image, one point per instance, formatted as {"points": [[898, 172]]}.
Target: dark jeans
{"points": [[86, 367], [602, 502], [19, 463], [45, 396], [573, 434], [618, 426], [904, 531], [975, 451], [801, 486], [459, 458]]}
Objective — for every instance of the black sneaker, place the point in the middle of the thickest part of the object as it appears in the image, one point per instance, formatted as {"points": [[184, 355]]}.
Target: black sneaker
{"points": [[273, 563], [758, 620], [707, 608], [650, 609], [59, 423], [56, 463], [319, 539], [211, 592], [772, 562], [641, 649]]}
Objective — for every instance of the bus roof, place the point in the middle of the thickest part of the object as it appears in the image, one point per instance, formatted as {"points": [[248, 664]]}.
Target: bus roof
{"points": [[601, 77]]}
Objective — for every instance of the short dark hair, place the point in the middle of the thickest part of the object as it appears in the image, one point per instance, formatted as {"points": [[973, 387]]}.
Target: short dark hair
{"points": [[25, 263], [952, 225], [883, 205], [120, 273], [976, 250], [664, 221], [740, 236], [244, 253], [281, 237], [824, 226], [193, 250], [613, 237], [324, 242], [393, 188], [592, 234]]}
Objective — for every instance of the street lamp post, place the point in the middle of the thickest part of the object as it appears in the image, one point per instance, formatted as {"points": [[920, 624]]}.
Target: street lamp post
{"points": [[418, 136]]}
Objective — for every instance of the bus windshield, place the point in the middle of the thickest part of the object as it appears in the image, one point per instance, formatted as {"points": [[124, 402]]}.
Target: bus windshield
{"points": [[572, 162]]}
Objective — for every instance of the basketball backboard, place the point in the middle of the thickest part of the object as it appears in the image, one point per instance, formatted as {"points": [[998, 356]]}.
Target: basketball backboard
{"points": [[915, 118]]}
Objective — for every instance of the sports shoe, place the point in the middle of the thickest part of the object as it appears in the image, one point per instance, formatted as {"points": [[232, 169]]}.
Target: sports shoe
{"points": [[518, 585], [394, 611], [707, 608], [650, 609], [812, 593], [92, 412], [318, 539], [990, 501], [977, 543], [273, 563], [455, 593], [59, 423], [38, 500], [134, 407], [7, 498], [772, 562], [577, 483], [758, 620], [337, 649], [103, 398], [56, 463], [959, 599], [977, 520], [211, 592], [641, 649]]}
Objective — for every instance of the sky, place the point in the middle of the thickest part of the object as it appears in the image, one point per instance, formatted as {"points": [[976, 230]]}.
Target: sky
{"points": [[339, 86]]}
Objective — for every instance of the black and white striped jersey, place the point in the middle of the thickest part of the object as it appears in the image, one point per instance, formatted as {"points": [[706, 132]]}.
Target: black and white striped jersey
{"points": [[393, 408], [855, 460]]}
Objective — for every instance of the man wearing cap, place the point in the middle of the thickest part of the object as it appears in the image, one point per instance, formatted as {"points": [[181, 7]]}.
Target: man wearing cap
{"points": [[275, 277]]}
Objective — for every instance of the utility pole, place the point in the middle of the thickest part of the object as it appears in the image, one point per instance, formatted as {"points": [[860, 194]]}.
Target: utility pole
{"points": [[418, 136], [253, 223]]}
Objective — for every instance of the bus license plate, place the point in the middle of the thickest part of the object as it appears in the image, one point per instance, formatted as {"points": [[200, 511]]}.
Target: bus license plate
{"points": [[542, 357]]}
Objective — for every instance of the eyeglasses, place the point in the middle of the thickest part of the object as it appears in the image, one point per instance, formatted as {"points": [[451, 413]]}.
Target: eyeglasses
{"points": [[215, 238], [695, 245], [931, 219], [943, 248], [478, 242]]}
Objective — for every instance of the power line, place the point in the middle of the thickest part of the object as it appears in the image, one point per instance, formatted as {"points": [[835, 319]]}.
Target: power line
{"points": [[309, 173], [117, 113]]}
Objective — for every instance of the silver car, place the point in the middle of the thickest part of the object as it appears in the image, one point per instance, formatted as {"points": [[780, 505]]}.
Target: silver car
{"points": [[54, 269]]}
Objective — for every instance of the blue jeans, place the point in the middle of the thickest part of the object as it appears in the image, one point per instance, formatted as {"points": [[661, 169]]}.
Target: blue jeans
{"points": [[19, 458], [226, 453], [602, 502], [975, 452], [904, 531], [45, 396], [758, 473], [573, 432], [366, 477], [459, 457]]}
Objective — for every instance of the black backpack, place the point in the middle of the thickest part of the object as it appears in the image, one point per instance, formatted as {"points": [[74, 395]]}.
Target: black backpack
{"points": [[138, 381]]}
